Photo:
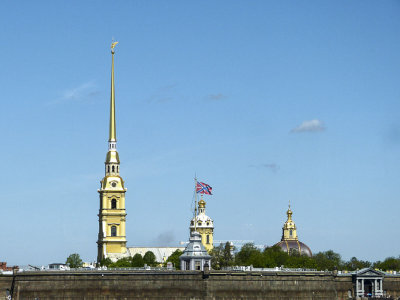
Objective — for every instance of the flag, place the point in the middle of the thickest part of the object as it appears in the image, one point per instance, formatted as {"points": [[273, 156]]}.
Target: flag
{"points": [[203, 188]]}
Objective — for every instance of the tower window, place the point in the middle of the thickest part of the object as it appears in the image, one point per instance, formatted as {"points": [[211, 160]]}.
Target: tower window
{"points": [[108, 169], [290, 232], [113, 230], [113, 169], [208, 239], [117, 169], [113, 204]]}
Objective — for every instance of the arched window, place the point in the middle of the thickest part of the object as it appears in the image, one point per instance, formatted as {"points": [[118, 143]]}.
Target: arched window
{"points": [[117, 169], [108, 169], [113, 204], [113, 169], [290, 232], [208, 239], [113, 230]]}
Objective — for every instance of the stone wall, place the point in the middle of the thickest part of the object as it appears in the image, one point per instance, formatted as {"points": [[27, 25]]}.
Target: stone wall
{"points": [[194, 285]]}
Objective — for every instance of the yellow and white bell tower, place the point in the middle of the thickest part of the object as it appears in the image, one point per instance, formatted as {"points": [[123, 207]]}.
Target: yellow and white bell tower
{"points": [[204, 225], [112, 213]]}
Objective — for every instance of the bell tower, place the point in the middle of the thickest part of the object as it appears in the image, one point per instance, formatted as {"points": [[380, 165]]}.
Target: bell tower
{"points": [[204, 225], [112, 213]]}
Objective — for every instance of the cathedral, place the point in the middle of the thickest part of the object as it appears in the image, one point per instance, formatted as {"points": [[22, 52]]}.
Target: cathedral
{"points": [[111, 242]]}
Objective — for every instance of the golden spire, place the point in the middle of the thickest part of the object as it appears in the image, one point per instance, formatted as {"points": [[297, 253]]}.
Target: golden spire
{"points": [[112, 154], [113, 134]]}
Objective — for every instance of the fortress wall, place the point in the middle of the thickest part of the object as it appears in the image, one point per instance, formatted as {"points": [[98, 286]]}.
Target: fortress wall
{"points": [[217, 285], [392, 286]]}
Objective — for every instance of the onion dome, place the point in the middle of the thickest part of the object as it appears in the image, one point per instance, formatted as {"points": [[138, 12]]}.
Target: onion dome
{"points": [[290, 242]]}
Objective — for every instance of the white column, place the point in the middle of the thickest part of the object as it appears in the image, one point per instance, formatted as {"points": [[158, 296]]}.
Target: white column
{"points": [[356, 287], [362, 286], [376, 287]]}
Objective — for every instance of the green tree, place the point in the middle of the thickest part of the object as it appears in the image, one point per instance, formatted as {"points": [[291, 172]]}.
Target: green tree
{"points": [[227, 255], [174, 258], [355, 264], [105, 262], [137, 261], [149, 259], [389, 264], [248, 255], [274, 257], [221, 256], [122, 263], [328, 260], [74, 261]]}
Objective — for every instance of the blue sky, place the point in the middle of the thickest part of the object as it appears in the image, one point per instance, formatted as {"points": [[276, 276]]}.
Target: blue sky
{"points": [[267, 101]]}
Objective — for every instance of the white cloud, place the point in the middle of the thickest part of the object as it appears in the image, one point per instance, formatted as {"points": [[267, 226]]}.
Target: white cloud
{"points": [[309, 126], [82, 92]]}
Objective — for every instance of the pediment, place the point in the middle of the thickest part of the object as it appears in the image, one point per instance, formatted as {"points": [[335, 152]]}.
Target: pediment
{"points": [[368, 272]]}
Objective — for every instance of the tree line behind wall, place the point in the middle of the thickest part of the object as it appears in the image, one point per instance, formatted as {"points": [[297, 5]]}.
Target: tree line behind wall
{"points": [[272, 257]]}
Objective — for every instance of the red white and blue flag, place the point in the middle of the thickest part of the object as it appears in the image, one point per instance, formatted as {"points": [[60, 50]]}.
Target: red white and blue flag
{"points": [[203, 188]]}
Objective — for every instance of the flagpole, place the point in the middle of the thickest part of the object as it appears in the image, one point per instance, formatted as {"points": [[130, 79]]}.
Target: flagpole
{"points": [[195, 204]]}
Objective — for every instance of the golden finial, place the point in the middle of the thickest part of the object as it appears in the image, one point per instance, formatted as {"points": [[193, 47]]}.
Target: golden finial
{"points": [[289, 212], [113, 44]]}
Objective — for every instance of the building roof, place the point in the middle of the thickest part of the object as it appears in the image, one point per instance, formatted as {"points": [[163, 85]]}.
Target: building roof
{"points": [[195, 248], [294, 245], [161, 253]]}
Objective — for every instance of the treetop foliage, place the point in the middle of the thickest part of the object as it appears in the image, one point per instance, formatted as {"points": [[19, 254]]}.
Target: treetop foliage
{"points": [[272, 257], [74, 261]]}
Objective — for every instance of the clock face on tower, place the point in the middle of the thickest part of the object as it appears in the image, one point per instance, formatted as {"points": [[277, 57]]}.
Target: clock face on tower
{"points": [[113, 184]]}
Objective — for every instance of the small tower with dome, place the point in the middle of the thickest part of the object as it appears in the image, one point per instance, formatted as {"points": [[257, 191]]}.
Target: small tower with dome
{"points": [[290, 242], [204, 226], [195, 255]]}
